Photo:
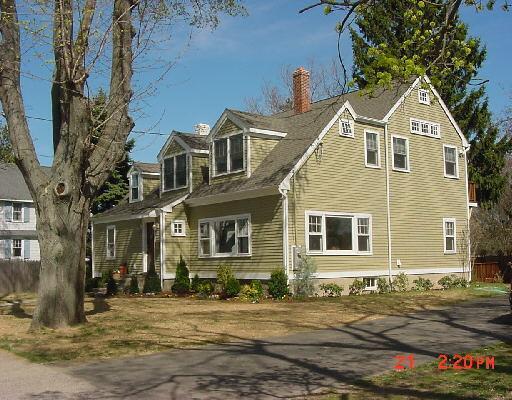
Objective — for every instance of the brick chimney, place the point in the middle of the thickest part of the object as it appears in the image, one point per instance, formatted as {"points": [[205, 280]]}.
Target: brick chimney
{"points": [[301, 91], [202, 129]]}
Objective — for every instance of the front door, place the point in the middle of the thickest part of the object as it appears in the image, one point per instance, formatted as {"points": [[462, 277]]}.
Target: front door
{"points": [[150, 245]]}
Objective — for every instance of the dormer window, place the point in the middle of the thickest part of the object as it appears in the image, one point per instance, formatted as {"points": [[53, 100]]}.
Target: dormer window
{"points": [[346, 127], [229, 154], [423, 96], [175, 172], [135, 186]]}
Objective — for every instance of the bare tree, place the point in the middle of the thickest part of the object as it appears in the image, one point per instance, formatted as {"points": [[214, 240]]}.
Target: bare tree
{"points": [[90, 38], [277, 97]]}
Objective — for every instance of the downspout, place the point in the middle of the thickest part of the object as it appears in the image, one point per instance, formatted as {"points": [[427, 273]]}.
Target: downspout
{"points": [[162, 247], [468, 211], [388, 207], [284, 197], [92, 248]]}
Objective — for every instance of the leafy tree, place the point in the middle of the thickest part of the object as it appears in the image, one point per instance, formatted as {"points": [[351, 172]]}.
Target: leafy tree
{"points": [[79, 34], [392, 30], [6, 153]]}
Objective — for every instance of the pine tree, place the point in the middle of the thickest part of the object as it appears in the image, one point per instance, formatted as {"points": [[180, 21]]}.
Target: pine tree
{"points": [[6, 153], [391, 29]]}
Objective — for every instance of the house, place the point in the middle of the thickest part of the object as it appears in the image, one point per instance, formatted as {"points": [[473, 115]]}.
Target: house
{"points": [[367, 186], [18, 235]]}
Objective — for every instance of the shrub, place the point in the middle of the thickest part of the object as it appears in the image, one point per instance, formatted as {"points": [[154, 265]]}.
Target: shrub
{"points": [[400, 282], [224, 275], [357, 287], [422, 284], [304, 282], [331, 289], [194, 284], [205, 289], [446, 281], [105, 275], [252, 292], [152, 283], [134, 285], [278, 284], [232, 288], [111, 286], [383, 285], [181, 283], [453, 281], [91, 284], [460, 282]]}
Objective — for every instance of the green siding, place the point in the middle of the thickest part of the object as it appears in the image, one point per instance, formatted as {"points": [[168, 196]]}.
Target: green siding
{"points": [[150, 183], [260, 149], [199, 162], [176, 246]]}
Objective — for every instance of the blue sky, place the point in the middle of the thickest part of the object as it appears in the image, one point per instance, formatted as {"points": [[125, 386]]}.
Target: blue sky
{"points": [[220, 69]]}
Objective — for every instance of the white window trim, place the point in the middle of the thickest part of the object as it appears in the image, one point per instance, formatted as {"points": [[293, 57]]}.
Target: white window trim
{"points": [[110, 227], [22, 213], [366, 150], [454, 251], [228, 157], [174, 179], [374, 286], [430, 124], [140, 198], [456, 176], [22, 256], [408, 168], [325, 252], [183, 228], [427, 102], [211, 222], [340, 128]]}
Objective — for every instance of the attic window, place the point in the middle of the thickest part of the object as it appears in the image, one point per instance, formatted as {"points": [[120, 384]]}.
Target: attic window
{"points": [[175, 172], [229, 154], [135, 187], [423, 96], [346, 127]]}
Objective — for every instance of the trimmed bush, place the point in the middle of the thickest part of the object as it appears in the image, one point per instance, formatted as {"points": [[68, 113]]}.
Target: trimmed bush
{"points": [[134, 285], [112, 288], [278, 284], [400, 282], [224, 275], [205, 289], [460, 282], [331, 289], [152, 283], [422, 284], [357, 287], [452, 282], [304, 281], [252, 292], [232, 288], [383, 285], [181, 283], [194, 284]]}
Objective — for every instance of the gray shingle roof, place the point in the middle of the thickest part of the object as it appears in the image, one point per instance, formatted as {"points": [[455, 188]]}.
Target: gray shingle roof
{"points": [[193, 140], [12, 183], [150, 168]]}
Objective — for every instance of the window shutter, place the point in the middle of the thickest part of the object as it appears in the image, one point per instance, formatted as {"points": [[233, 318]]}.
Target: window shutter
{"points": [[26, 248], [7, 248], [26, 213], [8, 212]]}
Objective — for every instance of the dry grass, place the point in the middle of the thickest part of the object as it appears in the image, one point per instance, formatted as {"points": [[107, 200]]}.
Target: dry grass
{"points": [[127, 326]]}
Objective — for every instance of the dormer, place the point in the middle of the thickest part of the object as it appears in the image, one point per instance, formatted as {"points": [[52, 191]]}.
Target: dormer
{"points": [[183, 160], [143, 178]]}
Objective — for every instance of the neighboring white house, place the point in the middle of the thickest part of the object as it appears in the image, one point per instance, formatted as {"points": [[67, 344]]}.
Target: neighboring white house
{"points": [[18, 236]]}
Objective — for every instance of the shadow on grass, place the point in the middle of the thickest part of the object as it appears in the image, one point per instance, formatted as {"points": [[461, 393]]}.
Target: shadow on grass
{"points": [[100, 305]]}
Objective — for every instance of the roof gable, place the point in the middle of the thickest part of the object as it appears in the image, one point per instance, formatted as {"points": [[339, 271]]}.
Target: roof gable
{"points": [[189, 142]]}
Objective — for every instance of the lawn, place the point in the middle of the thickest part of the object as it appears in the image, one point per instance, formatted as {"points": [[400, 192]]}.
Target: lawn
{"points": [[127, 326], [429, 382]]}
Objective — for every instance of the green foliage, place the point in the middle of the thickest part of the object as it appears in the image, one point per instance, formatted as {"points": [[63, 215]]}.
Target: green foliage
{"points": [[252, 292], [105, 275], [194, 284], [446, 281], [205, 289], [357, 287], [6, 153], [152, 283], [134, 285], [304, 281], [400, 283], [181, 283], [453, 282], [278, 284], [232, 287], [331, 289], [397, 40], [422, 284], [112, 288], [224, 274], [383, 285]]}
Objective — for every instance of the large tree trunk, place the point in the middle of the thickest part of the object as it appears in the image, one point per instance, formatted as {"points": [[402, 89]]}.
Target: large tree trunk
{"points": [[62, 230]]}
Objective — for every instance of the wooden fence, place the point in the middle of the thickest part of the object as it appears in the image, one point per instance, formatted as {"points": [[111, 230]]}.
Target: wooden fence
{"points": [[19, 276], [492, 269]]}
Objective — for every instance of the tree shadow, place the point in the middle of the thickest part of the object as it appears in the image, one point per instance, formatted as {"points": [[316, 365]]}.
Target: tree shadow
{"points": [[100, 305], [17, 311]]}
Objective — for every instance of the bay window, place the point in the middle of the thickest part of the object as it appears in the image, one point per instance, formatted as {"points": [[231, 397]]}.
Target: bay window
{"points": [[338, 233], [175, 172], [225, 236], [229, 154]]}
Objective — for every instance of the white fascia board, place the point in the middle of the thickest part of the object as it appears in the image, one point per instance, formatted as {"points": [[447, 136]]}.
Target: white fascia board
{"points": [[170, 206], [196, 151], [285, 184], [17, 201], [165, 146], [225, 115], [233, 196], [265, 133], [401, 99], [115, 218]]}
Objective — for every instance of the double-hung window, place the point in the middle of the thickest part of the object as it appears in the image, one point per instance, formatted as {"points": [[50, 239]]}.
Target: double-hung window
{"points": [[423, 96], [400, 154], [450, 162], [346, 127], [175, 172], [338, 233], [449, 232], [17, 248], [135, 186], [229, 154], [111, 241], [372, 149], [225, 236], [17, 212]]}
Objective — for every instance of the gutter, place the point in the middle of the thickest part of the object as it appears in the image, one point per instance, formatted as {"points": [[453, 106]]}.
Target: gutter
{"points": [[468, 209], [284, 194], [388, 205]]}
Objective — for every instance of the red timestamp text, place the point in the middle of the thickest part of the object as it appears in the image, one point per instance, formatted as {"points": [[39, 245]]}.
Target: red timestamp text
{"points": [[446, 361]]}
